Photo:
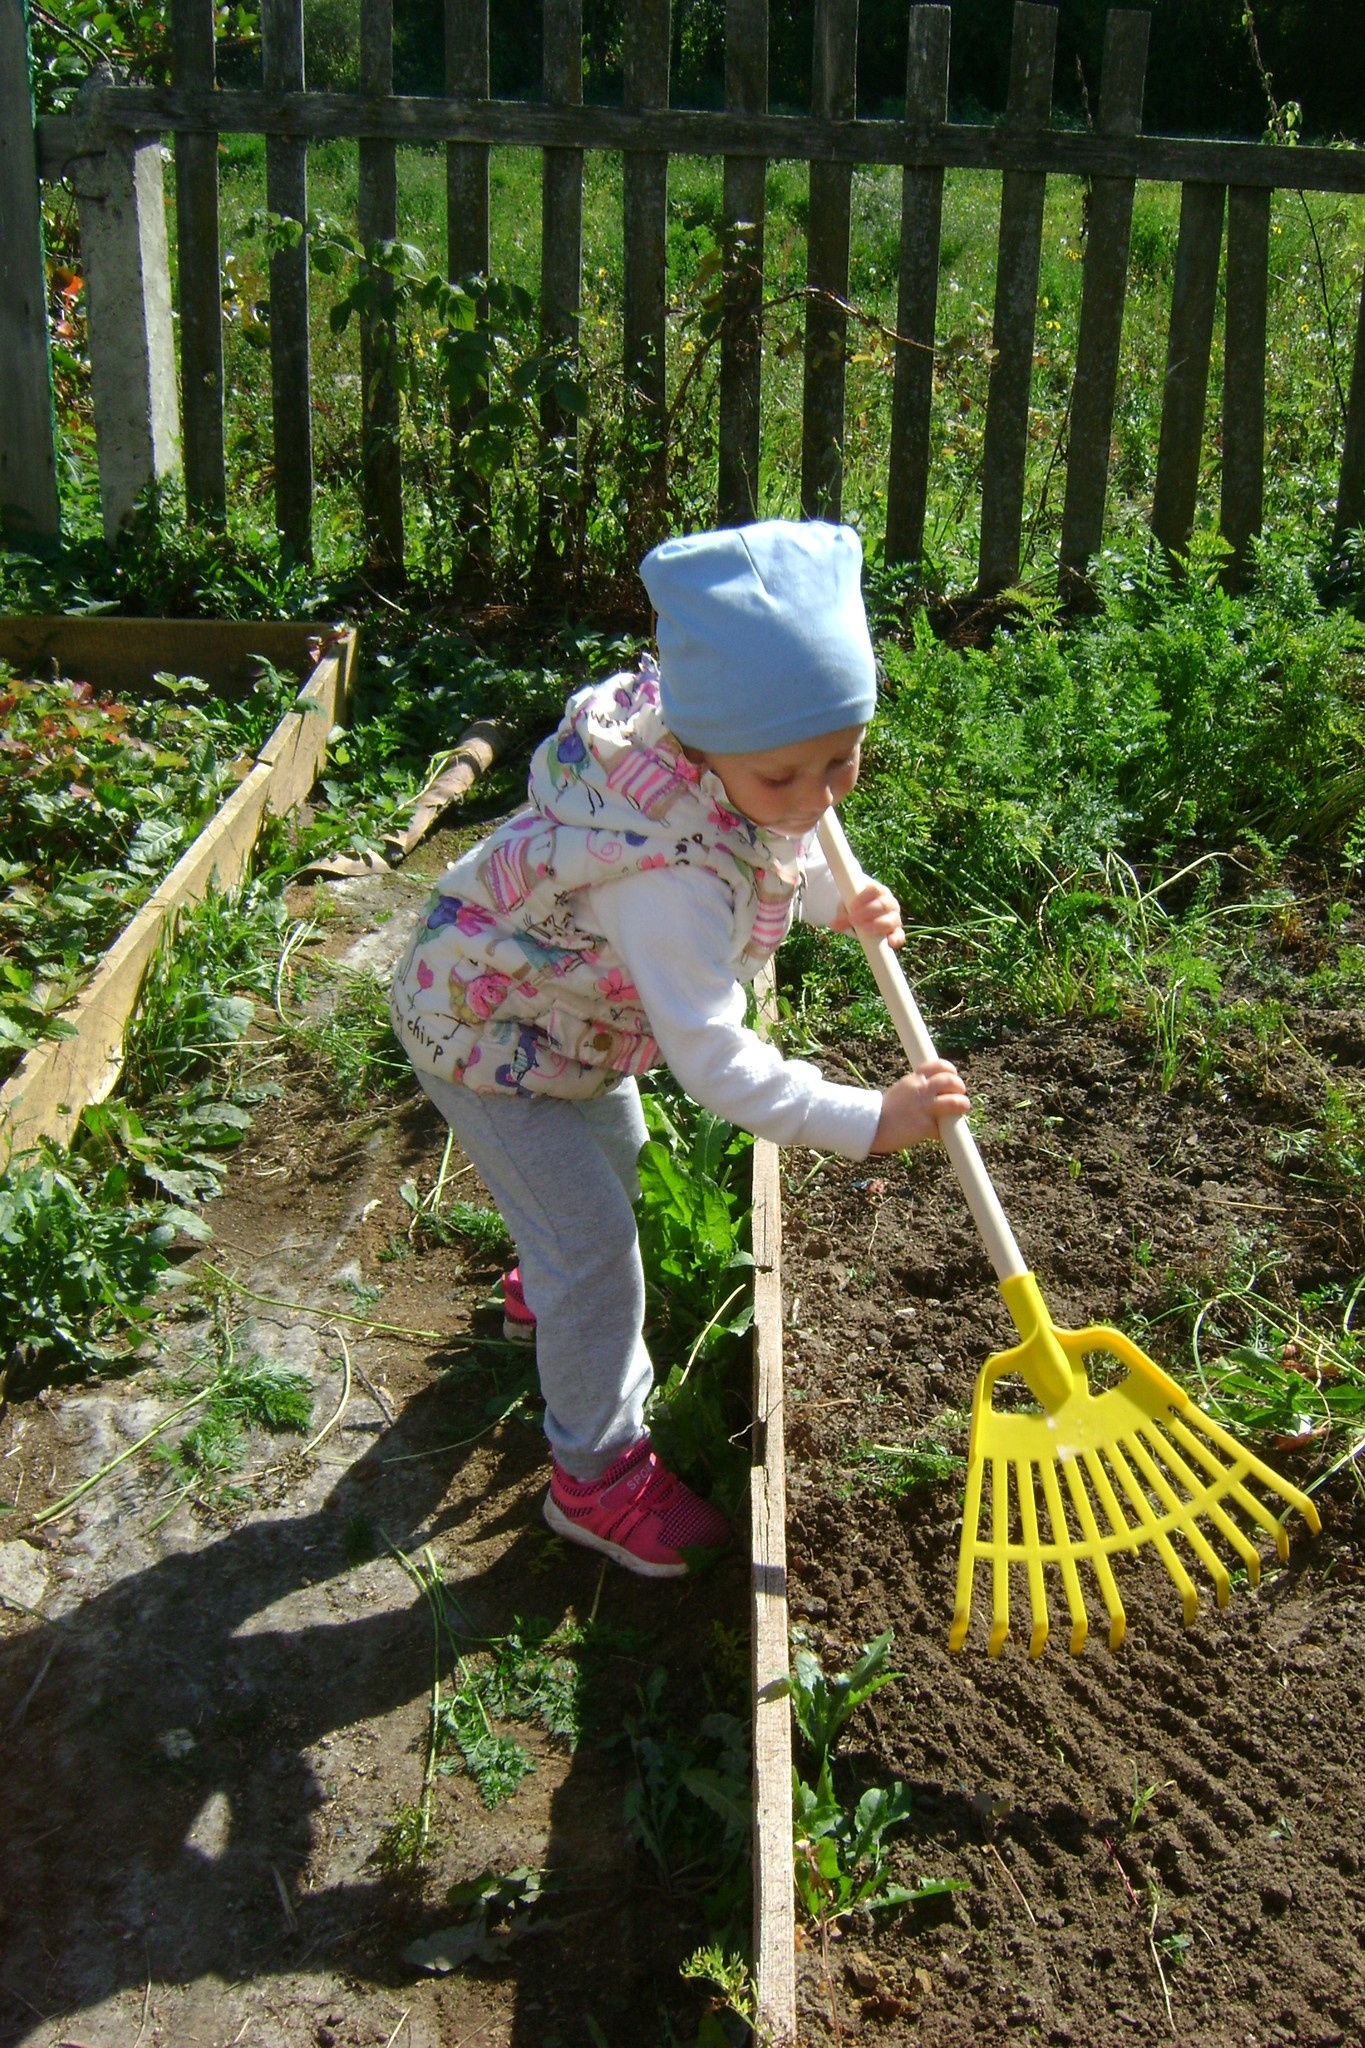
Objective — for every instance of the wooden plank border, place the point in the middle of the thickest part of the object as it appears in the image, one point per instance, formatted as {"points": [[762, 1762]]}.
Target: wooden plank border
{"points": [[44, 1097], [774, 1891]]}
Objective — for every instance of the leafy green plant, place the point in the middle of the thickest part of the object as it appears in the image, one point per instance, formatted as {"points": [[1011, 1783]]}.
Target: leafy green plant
{"points": [[496, 1763], [841, 1865], [684, 1785], [823, 1705], [897, 1469], [79, 1267], [253, 1393], [98, 797], [692, 1215]]}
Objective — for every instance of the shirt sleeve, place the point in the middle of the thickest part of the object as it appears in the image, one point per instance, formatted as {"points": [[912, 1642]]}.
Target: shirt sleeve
{"points": [[820, 901], [672, 931]]}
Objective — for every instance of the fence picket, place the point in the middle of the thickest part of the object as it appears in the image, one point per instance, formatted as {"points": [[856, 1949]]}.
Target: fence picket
{"points": [[1244, 374], [286, 194], [561, 259], [201, 289], [834, 94], [741, 345], [645, 227], [466, 23], [28, 459], [1187, 363], [1350, 512], [1109, 231], [1016, 302], [926, 107], [381, 473]]}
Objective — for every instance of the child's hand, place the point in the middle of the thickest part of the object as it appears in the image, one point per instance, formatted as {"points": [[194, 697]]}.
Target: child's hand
{"points": [[915, 1106], [874, 912]]}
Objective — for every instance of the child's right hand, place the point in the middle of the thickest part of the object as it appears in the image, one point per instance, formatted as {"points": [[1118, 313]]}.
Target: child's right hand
{"points": [[915, 1106]]}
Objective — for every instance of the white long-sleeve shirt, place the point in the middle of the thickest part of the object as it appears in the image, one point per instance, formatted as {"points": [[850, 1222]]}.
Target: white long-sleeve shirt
{"points": [[673, 927]]}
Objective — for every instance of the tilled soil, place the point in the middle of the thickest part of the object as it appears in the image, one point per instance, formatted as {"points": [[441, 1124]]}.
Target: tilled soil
{"points": [[210, 1722], [1025, 1775]]}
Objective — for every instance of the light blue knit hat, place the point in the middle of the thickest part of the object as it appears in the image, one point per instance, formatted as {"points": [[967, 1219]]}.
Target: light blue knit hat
{"points": [[762, 635]]}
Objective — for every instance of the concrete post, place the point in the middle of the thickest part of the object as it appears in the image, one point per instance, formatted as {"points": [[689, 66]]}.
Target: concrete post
{"points": [[128, 304]]}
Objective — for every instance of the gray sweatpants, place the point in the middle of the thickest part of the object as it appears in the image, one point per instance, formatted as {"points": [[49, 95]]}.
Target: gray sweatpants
{"points": [[563, 1176]]}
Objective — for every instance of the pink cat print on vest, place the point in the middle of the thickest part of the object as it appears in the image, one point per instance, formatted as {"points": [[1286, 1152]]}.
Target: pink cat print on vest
{"points": [[487, 993]]}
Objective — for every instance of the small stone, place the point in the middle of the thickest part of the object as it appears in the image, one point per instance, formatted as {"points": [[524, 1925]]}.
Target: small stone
{"points": [[1276, 1899], [23, 1573], [861, 1972]]}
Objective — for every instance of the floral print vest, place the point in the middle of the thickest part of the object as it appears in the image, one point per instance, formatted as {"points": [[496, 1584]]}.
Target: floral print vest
{"points": [[503, 987]]}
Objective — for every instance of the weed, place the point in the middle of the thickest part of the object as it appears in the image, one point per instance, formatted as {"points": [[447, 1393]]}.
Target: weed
{"points": [[730, 1974], [1143, 1795], [684, 1785], [692, 1219], [841, 1858], [79, 1267], [401, 1846], [821, 1705], [255, 1393], [352, 1044], [897, 1469], [496, 1763]]}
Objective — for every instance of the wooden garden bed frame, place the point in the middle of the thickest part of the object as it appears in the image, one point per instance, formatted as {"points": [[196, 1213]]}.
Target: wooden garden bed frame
{"points": [[54, 1082]]}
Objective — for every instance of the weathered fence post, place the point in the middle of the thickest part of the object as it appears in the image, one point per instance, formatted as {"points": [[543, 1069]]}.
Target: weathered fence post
{"points": [[645, 227], [1109, 233], [834, 97], [466, 162], [1193, 298], [1016, 304], [741, 342], [128, 308], [286, 194], [377, 206], [561, 269], [1351, 490], [1244, 374], [201, 291], [926, 108], [28, 456]]}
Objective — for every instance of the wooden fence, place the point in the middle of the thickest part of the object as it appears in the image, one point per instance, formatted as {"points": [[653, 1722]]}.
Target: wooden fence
{"points": [[110, 151]]}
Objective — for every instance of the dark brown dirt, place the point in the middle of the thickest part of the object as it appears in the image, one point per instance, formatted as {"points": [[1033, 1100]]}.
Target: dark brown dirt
{"points": [[1023, 1774], [209, 1729]]}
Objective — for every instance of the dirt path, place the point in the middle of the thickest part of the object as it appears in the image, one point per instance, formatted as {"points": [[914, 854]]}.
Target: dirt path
{"points": [[214, 1726], [1025, 1776]]}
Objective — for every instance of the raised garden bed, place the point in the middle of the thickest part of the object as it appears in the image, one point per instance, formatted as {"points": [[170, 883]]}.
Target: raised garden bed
{"points": [[107, 667], [1211, 1779]]}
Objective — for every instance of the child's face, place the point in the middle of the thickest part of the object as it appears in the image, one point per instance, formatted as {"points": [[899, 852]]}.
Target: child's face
{"points": [[785, 789]]}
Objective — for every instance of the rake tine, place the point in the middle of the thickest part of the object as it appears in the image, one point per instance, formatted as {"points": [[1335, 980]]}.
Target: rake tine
{"points": [[1037, 1591], [966, 1556], [1230, 1484], [1263, 1476], [1217, 1514], [1118, 1620], [1099, 1479], [1184, 1584], [1080, 1623], [1000, 1562], [1193, 1535]]}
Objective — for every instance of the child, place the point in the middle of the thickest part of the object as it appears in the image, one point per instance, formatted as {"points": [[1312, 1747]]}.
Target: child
{"points": [[611, 924]]}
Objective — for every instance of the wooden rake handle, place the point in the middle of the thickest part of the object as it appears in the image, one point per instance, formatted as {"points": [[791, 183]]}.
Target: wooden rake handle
{"points": [[982, 1199]]}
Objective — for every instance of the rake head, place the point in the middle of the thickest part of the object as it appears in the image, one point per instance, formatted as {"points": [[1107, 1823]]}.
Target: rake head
{"points": [[1140, 1464]]}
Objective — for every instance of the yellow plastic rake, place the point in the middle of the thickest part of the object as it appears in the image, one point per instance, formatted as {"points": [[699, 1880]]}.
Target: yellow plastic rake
{"points": [[1140, 1463]]}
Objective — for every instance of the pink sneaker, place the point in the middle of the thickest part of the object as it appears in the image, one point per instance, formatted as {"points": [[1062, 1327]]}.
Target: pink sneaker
{"points": [[637, 1513], [518, 1324]]}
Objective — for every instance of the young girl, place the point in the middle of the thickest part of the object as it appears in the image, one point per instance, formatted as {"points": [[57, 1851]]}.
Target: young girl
{"points": [[612, 923]]}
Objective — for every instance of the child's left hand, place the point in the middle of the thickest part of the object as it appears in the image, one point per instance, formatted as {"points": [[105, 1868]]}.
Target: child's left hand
{"points": [[874, 913]]}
